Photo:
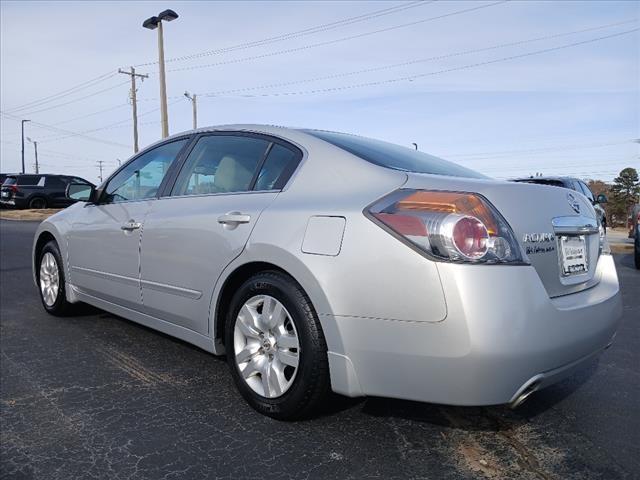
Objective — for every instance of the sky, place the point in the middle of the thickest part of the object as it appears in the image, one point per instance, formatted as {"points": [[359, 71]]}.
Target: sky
{"points": [[506, 88]]}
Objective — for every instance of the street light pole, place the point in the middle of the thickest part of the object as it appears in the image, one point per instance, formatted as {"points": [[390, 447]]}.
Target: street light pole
{"points": [[194, 105], [152, 23], [415, 145], [22, 122], [163, 84]]}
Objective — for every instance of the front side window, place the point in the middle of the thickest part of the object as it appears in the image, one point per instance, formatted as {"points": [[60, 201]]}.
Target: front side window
{"points": [[141, 178], [220, 164]]}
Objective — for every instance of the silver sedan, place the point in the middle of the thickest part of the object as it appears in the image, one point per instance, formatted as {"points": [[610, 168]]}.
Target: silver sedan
{"points": [[320, 261]]}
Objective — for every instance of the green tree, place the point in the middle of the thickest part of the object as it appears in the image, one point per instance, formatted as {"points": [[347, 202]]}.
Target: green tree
{"points": [[625, 190]]}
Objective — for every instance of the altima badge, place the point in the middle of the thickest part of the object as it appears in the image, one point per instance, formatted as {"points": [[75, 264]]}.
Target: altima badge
{"points": [[537, 237], [573, 201]]}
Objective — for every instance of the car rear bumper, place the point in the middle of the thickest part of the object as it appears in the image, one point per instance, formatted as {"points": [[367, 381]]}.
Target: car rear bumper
{"points": [[13, 202], [502, 335]]}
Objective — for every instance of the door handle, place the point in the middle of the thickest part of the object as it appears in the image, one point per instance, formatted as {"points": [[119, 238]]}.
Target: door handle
{"points": [[234, 218], [130, 226]]}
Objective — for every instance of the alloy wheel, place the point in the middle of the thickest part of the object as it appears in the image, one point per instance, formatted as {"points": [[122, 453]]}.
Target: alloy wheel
{"points": [[49, 279], [266, 346]]}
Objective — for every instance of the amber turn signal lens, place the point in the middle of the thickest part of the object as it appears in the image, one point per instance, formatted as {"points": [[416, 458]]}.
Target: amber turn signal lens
{"points": [[450, 202]]}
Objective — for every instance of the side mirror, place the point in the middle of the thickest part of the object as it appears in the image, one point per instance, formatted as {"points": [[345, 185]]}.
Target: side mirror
{"points": [[81, 192], [602, 198]]}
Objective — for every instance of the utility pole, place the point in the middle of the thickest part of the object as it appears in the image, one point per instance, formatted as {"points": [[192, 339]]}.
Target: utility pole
{"points": [[152, 23], [35, 149], [22, 122], [134, 103], [100, 163], [194, 104]]}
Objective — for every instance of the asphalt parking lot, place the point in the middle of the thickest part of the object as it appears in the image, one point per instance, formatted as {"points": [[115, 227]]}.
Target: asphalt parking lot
{"points": [[96, 396]]}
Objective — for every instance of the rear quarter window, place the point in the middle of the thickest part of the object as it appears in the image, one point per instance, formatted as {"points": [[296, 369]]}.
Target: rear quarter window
{"points": [[30, 180], [393, 156]]}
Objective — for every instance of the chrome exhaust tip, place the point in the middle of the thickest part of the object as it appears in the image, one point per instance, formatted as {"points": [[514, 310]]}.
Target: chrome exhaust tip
{"points": [[524, 394]]}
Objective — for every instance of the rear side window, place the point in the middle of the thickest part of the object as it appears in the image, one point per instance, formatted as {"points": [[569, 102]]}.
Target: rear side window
{"points": [[55, 182], [275, 171], [586, 191], [30, 180], [394, 156], [220, 164]]}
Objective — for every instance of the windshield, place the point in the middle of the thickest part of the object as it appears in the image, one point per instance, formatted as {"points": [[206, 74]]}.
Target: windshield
{"points": [[393, 156]]}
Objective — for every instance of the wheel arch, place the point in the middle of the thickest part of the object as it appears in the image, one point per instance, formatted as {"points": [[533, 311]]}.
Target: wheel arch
{"points": [[241, 270], [45, 233], [35, 195]]}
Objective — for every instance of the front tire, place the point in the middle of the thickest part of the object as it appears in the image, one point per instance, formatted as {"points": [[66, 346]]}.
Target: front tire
{"points": [[51, 280], [276, 349]]}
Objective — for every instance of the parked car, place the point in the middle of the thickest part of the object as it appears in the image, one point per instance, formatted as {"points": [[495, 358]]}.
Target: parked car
{"points": [[635, 234], [3, 177], [38, 191], [573, 184], [318, 260]]}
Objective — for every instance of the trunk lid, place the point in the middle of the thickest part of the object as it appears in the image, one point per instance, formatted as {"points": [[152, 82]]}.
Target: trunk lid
{"points": [[555, 227]]}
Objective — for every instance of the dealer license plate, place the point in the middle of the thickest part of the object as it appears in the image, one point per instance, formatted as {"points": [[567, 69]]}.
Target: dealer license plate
{"points": [[573, 255]]}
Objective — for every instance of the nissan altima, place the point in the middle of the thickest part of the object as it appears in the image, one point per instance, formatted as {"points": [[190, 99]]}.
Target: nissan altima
{"points": [[320, 261]]}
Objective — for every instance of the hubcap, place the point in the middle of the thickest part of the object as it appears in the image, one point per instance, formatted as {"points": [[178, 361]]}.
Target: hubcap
{"points": [[266, 346], [49, 279]]}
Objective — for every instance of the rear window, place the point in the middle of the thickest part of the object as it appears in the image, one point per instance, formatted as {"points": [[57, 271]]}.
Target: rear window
{"points": [[393, 156], [10, 181], [543, 181]]}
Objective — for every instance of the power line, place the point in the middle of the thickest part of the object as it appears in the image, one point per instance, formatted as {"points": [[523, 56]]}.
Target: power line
{"points": [[413, 62], [438, 72], [338, 40], [489, 155], [52, 138], [64, 93], [74, 100], [60, 130], [300, 33], [91, 114]]}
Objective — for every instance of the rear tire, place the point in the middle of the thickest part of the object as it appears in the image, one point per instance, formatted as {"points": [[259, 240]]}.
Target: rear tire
{"points": [[51, 281], [37, 203], [296, 394]]}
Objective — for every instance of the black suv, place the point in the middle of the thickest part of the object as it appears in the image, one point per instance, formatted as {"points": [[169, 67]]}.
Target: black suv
{"points": [[572, 184], [37, 191]]}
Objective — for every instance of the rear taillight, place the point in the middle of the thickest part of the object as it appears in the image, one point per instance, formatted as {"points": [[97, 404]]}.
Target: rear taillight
{"points": [[14, 188], [448, 226]]}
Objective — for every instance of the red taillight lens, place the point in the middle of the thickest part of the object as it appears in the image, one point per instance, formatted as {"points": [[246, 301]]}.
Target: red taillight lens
{"points": [[470, 237], [452, 226], [14, 188]]}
